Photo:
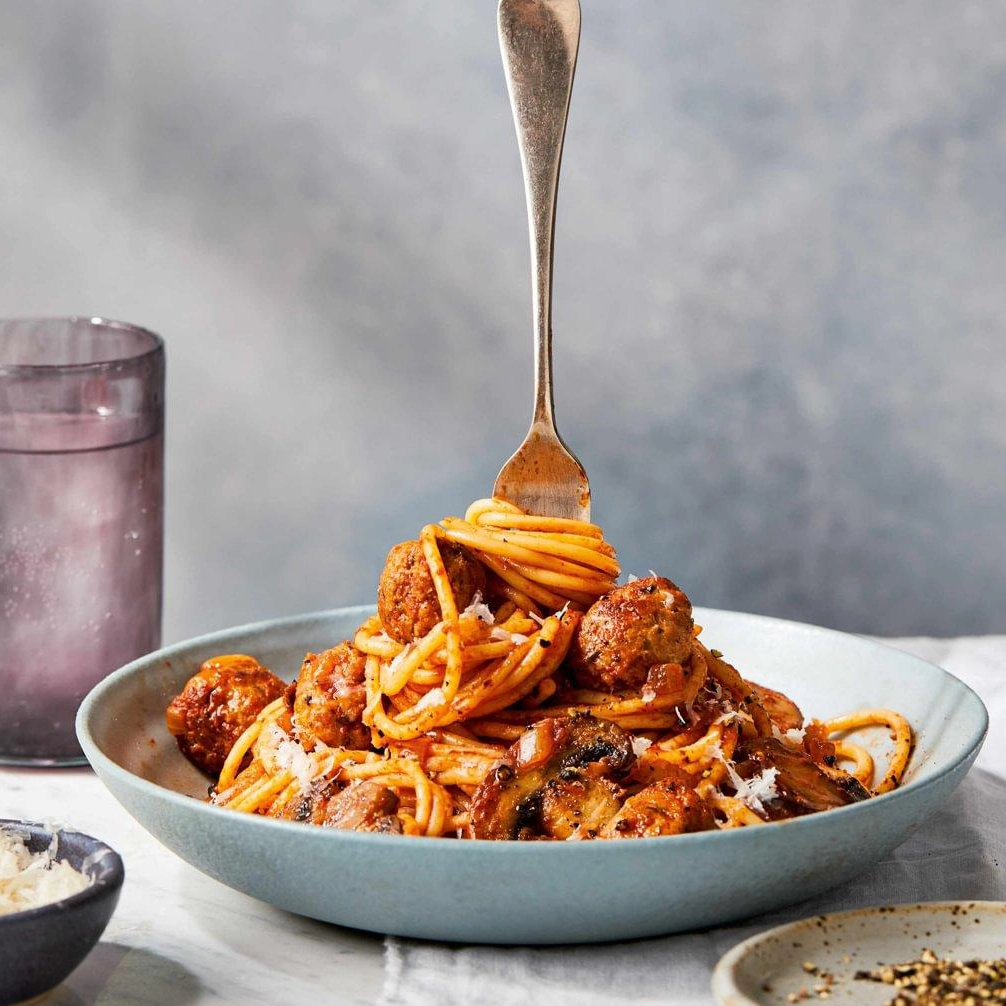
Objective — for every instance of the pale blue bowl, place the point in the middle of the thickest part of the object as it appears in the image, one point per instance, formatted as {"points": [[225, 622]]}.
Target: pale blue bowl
{"points": [[538, 892]]}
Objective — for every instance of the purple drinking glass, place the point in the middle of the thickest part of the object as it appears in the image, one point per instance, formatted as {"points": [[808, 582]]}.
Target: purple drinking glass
{"points": [[81, 504]]}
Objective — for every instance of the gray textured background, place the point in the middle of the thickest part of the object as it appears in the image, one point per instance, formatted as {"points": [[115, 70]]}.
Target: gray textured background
{"points": [[779, 286]]}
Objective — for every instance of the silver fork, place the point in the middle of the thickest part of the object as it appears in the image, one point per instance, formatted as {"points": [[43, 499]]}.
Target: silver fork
{"points": [[539, 41]]}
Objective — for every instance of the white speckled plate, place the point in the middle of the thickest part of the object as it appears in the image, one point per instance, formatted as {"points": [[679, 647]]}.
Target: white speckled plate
{"points": [[766, 969]]}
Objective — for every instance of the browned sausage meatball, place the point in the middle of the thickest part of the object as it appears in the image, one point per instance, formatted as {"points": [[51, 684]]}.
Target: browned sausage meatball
{"points": [[576, 805], [217, 705], [406, 598], [329, 700], [630, 629], [668, 807]]}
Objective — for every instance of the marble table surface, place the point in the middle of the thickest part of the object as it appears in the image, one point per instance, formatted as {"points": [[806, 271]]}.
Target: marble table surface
{"points": [[180, 938]]}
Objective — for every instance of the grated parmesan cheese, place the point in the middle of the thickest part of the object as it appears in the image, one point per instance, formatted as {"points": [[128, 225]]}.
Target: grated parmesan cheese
{"points": [[290, 755], [29, 880], [756, 790], [733, 714], [282, 753], [479, 609], [640, 744], [399, 657], [434, 697], [501, 635], [793, 736]]}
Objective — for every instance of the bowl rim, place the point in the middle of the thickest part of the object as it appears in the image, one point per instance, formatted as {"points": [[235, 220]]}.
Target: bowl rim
{"points": [[109, 881], [103, 764], [723, 982]]}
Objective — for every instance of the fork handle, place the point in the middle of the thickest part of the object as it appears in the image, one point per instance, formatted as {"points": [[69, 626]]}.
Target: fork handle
{"points": [[539, 41]]}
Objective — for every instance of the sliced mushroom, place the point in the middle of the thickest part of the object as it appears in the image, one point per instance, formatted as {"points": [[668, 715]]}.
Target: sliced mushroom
{"points": [[510, 801], [363, 806], [741, 691], [781, 709], [802, 786]]}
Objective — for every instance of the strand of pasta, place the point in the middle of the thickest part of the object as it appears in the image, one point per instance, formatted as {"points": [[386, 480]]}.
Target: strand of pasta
{"points": [[448, 609], [863, 767], [741, 692], [736, 813], [499, 684], [717, 743], [433, 804], [901, 736], [243, 744], [543, 560], [572, 563]]}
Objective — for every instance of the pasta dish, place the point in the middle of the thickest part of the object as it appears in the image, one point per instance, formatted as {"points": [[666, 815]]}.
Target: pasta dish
{"points": [[509, 687]]}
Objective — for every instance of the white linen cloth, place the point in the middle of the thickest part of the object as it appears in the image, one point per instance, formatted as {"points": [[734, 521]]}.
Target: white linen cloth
{"points": [[960, 854]]}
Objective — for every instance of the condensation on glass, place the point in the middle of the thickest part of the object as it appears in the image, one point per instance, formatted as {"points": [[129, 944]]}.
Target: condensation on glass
{"points": [[81, 520]]}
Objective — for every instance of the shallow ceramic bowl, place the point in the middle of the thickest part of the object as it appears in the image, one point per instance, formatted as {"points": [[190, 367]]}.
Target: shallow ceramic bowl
{"points": [[769, 969], [40, 947], [538, 892]]}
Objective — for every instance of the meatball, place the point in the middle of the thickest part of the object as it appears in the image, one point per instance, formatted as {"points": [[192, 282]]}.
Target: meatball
{"points": [[329, 699], [406, 598], [668, 807], [217, 705], [628, 631], [575, 805]]}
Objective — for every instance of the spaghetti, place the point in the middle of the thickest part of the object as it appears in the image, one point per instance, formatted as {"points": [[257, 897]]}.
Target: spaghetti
{"points": [[524, 714]]}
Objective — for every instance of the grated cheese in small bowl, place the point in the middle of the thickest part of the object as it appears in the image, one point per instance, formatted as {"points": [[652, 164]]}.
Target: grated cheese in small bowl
{"points": [[32, 879]]}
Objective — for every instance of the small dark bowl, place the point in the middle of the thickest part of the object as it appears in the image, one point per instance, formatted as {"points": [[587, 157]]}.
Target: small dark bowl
{"points": [[41, 946]]}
